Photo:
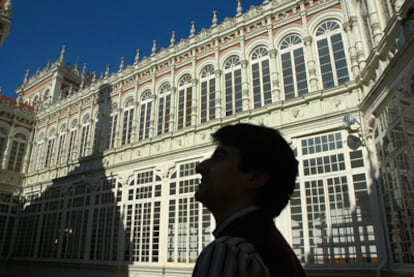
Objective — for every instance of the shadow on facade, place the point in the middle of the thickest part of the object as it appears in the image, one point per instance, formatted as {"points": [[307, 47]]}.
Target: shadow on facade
{"points": [[75, 227], [394, 181], [343, 219]]}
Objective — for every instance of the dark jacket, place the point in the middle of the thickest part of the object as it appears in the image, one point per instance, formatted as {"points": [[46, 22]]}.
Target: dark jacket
{"points": [[259, 229]]}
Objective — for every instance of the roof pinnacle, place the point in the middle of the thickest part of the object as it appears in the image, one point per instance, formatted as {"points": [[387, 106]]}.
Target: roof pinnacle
{"points": [[239, 8], [62, 55], [214, 20]]}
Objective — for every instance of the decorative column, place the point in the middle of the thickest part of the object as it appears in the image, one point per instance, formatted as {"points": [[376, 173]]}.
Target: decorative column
{"points": [[9, 143], [6, 155], [352, 49], [219, 93], [29, 148], [274, 75], [245, 85], [311, 65], [173, 90], [359, 45], [118, 130], [135, 125], [173, 109], [375, 23], [151, 129], [194, 101], [164, 171]]}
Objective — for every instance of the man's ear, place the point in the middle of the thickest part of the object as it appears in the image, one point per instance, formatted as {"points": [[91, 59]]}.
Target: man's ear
{"points": [[257, 179]]}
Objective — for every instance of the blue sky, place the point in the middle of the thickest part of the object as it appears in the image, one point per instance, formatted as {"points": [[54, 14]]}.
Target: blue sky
{"points": [[98, 32]]}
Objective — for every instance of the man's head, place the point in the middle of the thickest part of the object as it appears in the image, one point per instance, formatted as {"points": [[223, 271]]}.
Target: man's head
{"points": [[251, 163]]}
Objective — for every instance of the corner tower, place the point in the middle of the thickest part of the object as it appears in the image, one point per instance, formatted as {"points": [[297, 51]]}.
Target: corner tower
{"points": [[54, 82]]}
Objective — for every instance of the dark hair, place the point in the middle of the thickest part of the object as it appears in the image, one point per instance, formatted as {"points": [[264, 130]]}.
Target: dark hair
{"points": [[264, 149]]}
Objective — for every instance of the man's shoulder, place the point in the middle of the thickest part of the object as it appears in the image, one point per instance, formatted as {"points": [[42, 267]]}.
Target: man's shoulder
{"points": [[239, 243], [233, 255]]}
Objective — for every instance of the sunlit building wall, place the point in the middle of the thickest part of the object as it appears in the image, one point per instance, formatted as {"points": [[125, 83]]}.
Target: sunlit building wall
{"points": [[110, 179], [16, 127]]}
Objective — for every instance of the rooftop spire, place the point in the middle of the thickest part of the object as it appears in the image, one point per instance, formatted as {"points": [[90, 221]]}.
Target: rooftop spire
{"points": [[8, 5], [8, 8], [26, 76], [154, 47], [214, 20], [82, 85], [62, 55], [136, 57], [192, 30], [239, 8], [122, 64], [84, 69], [108, 67], [172, 40]]}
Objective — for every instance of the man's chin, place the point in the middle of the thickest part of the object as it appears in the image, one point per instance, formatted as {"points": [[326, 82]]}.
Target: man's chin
{"points": [[198, 196]]}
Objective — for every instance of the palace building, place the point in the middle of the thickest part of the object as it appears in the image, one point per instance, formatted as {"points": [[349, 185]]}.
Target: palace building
{"points": [[98, 174]]}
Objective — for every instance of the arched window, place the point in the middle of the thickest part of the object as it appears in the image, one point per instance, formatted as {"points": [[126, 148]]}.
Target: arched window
{"points": [[61, 146], [145, 117], [295, 81], [185, 94], [332, 59], [113, 123], [164, 108], [128, 119], [17, 151], [208, 94], [84, 143], [3, 142], [262, 91], [233, 85], [50, 148]]}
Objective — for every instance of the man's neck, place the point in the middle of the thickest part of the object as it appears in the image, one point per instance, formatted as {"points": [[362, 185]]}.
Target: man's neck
{"points": [[224, 221]]}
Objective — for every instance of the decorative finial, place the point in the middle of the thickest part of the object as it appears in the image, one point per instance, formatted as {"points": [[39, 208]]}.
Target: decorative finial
{"points": [[84, 69], [192, 30], [172, 40], [26, 76], [1, 90], [154, 47], [8, 6], [48, 64], [108, 67], [136, 57], [239, 8], [122, 64], [70, 89], [265, 2], [62, 54], [214, 21], [93, 77], [82, 85]]}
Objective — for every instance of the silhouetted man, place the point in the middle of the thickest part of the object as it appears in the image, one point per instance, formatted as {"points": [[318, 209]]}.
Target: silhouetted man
{"points": [[245, 184]]}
